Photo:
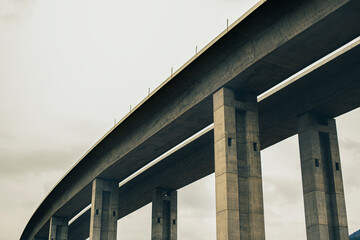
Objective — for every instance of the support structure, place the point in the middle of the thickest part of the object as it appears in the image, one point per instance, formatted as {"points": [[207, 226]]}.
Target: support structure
{"points": [[322, 179], [58, 228], [164, 215], [104, 210], [239, 195]]}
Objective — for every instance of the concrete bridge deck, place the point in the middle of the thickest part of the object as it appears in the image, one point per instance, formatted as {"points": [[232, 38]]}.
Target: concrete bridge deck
{"points": [[275, 40], [195, 160]]}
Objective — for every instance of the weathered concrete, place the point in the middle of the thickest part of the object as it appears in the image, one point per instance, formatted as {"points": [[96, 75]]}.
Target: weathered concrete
{"points": [[226, 167], [186, 164], [322, 179], [274, 41], [164, 215], [327, 90], [58, 228], [251, 209], [239, 200], [104, 210]]}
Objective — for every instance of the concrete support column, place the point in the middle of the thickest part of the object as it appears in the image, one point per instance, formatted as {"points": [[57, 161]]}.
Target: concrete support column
{"points": [[58, 228], [104, 210], [322, 179], [164, 215], [239, 195]]}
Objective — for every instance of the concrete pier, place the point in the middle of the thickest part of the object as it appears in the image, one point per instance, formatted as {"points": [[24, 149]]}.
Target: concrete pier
{"points": [[164, 215], [104, 210], [58, 228], [322, 179], [239, 195]]}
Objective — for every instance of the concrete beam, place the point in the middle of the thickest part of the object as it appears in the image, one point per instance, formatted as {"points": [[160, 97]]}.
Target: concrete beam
{"points": [[79, 229], [330, 90], [179, 168], [327, 90], [194, 161], [187, 164], [322, 179], [104, 210], [164, 215], [275, 40]]}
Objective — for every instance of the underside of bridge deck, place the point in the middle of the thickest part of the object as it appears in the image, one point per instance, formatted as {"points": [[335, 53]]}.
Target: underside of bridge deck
{"points": [[329, 91], [274, 41]]}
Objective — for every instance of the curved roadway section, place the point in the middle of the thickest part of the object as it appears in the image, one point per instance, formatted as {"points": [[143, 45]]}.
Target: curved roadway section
{"points": [[326, 89], [271, 42]]}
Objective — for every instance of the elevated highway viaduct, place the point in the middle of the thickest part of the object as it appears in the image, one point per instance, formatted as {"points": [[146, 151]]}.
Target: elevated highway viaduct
{"points": [[194, 159], [274, 40]]}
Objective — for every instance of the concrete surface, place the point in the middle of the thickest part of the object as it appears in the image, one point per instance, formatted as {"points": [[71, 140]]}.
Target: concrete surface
{"points": [[322, 179], [58, 228], [274, 41], [164, 215], [104, 210], [196, 159], [238, 180]]}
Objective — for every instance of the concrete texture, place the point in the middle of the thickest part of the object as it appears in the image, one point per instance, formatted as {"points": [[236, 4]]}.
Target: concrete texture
{"points": [[164, 215], [239, 200], [185, 165], [226, 166], [251, 209], [274, 41], [322, 179], [104, 210], [195, 160], [58, 228]]}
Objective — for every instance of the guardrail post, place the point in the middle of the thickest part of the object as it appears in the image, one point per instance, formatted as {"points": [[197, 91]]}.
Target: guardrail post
{"points": [[164, 215], [239, 195], [104, 210], [322, 179], [58, 228]]}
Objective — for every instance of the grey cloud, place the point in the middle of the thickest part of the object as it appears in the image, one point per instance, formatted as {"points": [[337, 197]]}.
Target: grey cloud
{"points": [[196, 199], [136, 226], [350, 145], [196, 210], [22, 163], [350, 153], [28, 204], [12, 10], [21, 149], [285, 190]]}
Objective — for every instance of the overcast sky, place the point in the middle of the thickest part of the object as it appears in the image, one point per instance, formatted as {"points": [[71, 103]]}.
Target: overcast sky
{"points": [[69, 68]]}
